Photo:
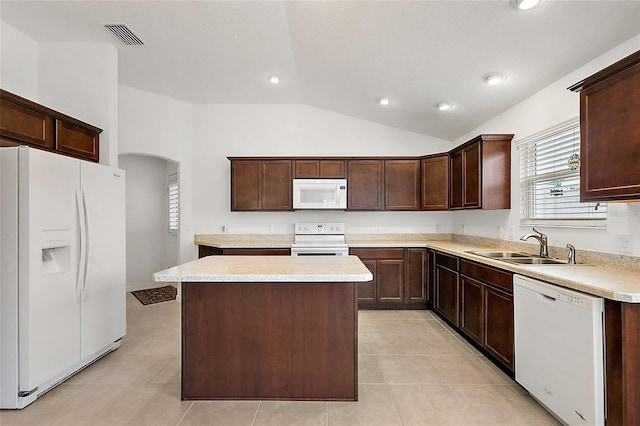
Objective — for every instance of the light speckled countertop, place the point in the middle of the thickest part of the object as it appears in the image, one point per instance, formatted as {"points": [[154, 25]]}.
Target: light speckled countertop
{"points": [[617, 282], [268, 269], [610, 283]]}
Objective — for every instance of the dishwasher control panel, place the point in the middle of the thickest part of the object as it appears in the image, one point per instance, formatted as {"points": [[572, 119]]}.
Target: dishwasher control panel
{"points": [[571, 298]]}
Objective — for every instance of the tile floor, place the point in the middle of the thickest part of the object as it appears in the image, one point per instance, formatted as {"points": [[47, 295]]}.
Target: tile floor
{"points": [[413, 370]]}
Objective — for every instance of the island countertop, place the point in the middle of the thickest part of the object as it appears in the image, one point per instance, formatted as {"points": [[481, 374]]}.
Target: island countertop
{"points": [[268, 269]]}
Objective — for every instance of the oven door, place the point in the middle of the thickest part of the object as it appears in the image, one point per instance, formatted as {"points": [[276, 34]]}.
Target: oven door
{"points": [[319, 251]]}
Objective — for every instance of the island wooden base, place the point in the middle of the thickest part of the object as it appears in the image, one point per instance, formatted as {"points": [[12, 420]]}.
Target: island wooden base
{"points": [[290, 341]]}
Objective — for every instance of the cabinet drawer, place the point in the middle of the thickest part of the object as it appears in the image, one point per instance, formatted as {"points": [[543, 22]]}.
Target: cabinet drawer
{"points": [[447, 261], [378, 253], [487, 274]]}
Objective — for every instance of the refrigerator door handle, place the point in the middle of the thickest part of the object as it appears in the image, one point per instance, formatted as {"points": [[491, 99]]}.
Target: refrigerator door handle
{"points": [[81, 250], [86, 245]]}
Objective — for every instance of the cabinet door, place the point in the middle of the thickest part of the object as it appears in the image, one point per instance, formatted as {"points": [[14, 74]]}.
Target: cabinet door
{"points": [[471, 308], [431, 277], [246, 188], [435, 182], [277, 185], [333, 169], [471, 166], [364, 183], [610, 138], [498, 331], [367, 290], [416, 275], [447, 293], [306, 169], [390, 280], [77, 141], [402, 185], [455, 186], [22, 124]]}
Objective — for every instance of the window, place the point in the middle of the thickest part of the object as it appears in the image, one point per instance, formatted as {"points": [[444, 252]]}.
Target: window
{"points": [[550, 180], [173, 202]]}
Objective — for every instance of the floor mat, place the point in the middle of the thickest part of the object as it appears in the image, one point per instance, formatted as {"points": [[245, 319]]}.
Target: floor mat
{"points": [[156, 295]]}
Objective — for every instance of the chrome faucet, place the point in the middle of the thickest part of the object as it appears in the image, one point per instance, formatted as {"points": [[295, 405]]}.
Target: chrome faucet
{"points": [[542, 239], [571, 255]]}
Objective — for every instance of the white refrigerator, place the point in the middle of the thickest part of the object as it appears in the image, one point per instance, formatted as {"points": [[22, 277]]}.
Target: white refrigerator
{"points": [[63, 271]]}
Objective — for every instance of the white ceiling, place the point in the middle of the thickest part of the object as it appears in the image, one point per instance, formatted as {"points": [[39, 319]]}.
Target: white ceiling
{"points": [[343, 55]]}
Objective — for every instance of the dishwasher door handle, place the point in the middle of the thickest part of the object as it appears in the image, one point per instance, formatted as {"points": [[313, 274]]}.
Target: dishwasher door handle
{"points": [[547, 298]]}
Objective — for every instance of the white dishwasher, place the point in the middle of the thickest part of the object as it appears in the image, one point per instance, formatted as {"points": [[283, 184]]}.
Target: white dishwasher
{"points": [[559, 349]]}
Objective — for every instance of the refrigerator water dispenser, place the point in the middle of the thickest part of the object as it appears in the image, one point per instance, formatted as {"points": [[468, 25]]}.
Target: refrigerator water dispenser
{"points": [[56, 251]]}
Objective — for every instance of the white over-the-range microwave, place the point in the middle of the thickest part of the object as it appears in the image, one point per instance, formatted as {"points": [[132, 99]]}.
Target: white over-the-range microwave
{"points": [[314, 194]]}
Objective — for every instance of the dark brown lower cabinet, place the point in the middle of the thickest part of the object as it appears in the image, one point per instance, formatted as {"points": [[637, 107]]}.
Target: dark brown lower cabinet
{"points": [[478, 301], [622, 349], [486, 310], [215, 251], [431, 278], [447, 287], [472, 308], [416, 275], [399, 278], [498, 325], [367, 289], [390, 281]]}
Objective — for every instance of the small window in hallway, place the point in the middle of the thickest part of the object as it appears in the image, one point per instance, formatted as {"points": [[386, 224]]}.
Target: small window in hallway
{"points": [[173, 202]]}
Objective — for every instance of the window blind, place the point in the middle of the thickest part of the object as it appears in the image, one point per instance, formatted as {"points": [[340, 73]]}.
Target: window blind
{"points": [[550, 179], [173, 202]]}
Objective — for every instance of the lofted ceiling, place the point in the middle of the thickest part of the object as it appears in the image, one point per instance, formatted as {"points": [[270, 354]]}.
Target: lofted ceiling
{"points": [[343, 56]]}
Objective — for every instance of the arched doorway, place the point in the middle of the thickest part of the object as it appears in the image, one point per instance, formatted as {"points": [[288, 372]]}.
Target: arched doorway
{"points": [[151, 244]]}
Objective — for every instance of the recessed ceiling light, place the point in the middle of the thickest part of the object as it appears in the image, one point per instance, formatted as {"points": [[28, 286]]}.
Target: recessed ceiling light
{"points": [[384, 101], [494, 78], [274, 79], [526, 4], [444, 106]]}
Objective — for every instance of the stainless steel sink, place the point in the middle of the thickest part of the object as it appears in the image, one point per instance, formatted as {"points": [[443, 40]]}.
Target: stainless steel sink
{"points": [[535, 261], [496, 254], [518, 258]]}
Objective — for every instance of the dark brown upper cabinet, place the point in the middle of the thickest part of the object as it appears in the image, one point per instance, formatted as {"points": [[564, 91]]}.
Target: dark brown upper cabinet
{"points": [[365, 184], [610, 132], [402, 184], [261, 185], [435, 182], [325, 169], [480, 173], [23, 122]]}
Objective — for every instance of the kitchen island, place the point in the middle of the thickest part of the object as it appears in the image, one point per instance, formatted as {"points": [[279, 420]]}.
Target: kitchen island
{"points": [[269, 327]]}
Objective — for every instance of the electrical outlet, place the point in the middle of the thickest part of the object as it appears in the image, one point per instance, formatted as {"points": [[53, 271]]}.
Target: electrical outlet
{"points": [[437, 227], [378, 226], [510, 233], [624, 241], [269, 228], [225, 228], [498, 232], [464, 229]]}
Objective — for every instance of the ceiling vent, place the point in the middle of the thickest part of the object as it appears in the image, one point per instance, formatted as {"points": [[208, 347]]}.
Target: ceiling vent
{"points": [[124, 34]]}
